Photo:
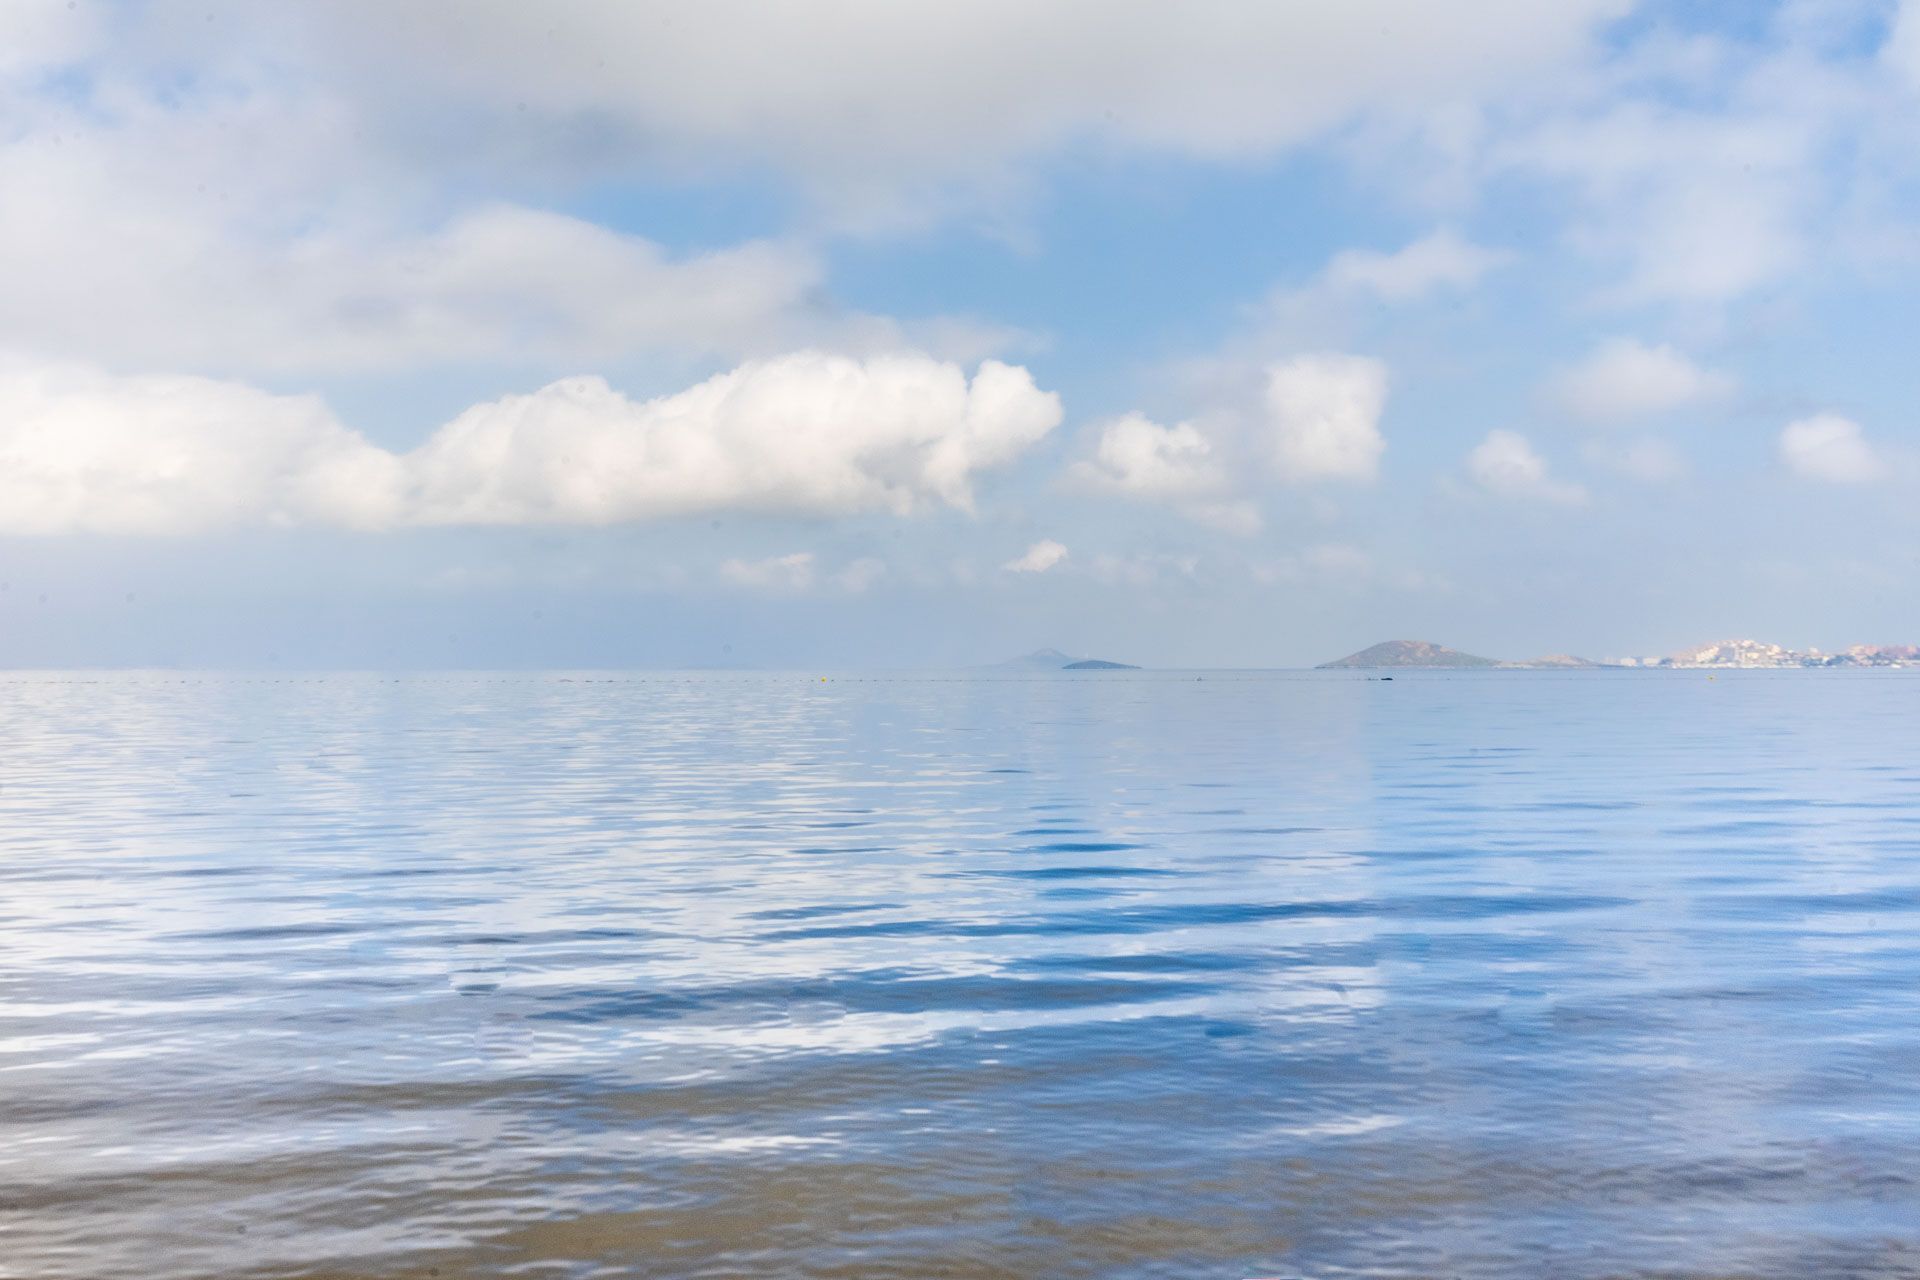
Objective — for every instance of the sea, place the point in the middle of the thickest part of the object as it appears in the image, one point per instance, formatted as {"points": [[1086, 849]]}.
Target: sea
{"points": [[973, 975]]}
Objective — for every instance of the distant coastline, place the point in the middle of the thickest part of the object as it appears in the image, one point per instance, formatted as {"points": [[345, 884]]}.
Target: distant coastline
{"points": [[1723, 654]]}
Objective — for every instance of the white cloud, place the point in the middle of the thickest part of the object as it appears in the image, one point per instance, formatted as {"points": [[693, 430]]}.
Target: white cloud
{"points": [[1687, 164], [1178, 466], [804, 434], [1323, 414], [1038, 558], [1830, 448], [896, 117], [1139, 457], [114, 258], [788, 573], [1902, 49], [260, 230], [1318, 419], [1354, 282], [1440, 260], [1505, 464], [82, 451], [1623, 379], [39, 34]]}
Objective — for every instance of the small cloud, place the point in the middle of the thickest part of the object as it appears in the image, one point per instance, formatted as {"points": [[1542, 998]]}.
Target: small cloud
{"points": [[1506, 465], [1178, 466], [1830, 448], [1038, 558], [1139, 457], [1355, 279], [1440, 260], [1324, 413], [1624, 379], [777, 573]]}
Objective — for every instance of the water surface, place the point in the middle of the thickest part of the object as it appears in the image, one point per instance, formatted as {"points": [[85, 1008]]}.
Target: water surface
{"points": [[1114, 974]]}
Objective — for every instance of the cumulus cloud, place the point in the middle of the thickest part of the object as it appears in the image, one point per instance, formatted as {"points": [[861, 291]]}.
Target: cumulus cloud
{"points": [[1506, 465], [1317, 419], [1829, 448], [1624, 379], [83, 451], [1038, 558], [807, 434], [1138, 456], [1323, 415], [1178, 466], [804, 434]]}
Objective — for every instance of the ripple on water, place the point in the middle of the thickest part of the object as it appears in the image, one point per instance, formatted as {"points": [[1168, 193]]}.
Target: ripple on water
{"points": [[747, 974]]}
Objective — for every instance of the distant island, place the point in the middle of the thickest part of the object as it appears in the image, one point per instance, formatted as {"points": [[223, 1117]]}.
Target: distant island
{"points": [[1054, 660], [1744, 654], [1407, 653]]}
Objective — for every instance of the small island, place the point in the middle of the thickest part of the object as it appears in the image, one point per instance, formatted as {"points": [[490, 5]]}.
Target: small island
{"points": [[1407, 653], [1054, 660]]}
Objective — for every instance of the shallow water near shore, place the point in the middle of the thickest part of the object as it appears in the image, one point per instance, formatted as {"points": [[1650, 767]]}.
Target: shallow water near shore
{"points": [[1108, 974]]}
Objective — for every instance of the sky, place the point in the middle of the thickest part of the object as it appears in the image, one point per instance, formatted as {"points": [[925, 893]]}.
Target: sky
{"points": [[863, 334]]}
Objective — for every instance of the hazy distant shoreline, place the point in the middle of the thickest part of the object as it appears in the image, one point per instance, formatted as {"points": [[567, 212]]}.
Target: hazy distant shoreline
{"points": [[1725, 654]]}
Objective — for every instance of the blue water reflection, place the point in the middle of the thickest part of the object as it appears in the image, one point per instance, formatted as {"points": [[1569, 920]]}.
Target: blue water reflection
{"points": [[1118, 975]]}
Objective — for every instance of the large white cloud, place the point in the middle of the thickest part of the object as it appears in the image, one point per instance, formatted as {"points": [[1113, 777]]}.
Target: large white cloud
{"points": [[82, 451], [113, 256], [856, 95], [1324, 416], [1829, 448], [805, 434]]}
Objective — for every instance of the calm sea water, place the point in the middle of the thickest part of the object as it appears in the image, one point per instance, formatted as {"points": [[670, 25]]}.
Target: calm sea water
{"points": [[1117, 975]]}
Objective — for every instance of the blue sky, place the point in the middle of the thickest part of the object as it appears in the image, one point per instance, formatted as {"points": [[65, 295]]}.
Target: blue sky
{"points": [[856, 334]]}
